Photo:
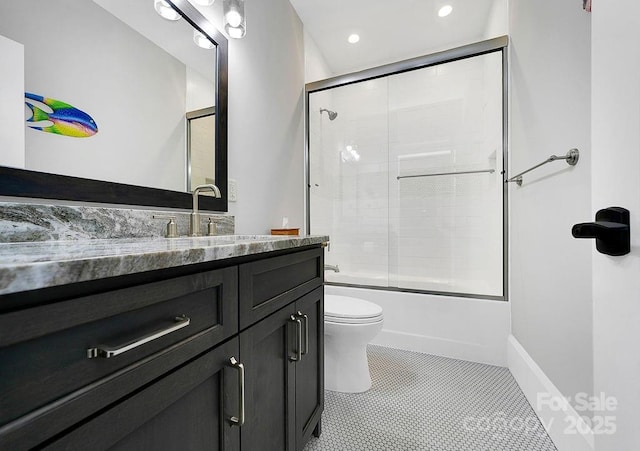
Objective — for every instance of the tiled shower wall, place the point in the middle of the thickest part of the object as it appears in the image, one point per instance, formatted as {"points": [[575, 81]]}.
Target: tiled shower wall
{"points": [[440, 233]]}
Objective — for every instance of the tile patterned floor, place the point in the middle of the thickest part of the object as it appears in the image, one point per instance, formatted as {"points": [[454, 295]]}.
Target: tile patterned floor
{"points": [[421, 402]]}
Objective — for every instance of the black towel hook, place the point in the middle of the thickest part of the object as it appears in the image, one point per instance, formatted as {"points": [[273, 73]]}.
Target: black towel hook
{"points": [[611, 231]]}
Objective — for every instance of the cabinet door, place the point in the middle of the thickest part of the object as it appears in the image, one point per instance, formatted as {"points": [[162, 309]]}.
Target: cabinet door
{"points": [[189, 409], [266, 350], [310, 368], [44, 349]]}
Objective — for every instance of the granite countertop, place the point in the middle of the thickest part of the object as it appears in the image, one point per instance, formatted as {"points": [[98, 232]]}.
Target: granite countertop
{"points": [[33, 265]]}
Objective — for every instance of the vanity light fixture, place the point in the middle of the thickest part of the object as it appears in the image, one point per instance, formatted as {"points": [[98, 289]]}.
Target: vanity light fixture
{"points": [[203, 2], [445, 10], [202, 41], [234, 18], [353, 38], [165, 10]]}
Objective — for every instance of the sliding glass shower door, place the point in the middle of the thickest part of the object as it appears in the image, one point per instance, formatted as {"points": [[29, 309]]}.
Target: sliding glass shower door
{"points": [[405, 175]]}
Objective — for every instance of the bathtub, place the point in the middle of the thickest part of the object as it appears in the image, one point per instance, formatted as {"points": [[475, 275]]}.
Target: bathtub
{"points": [[461, 328]]}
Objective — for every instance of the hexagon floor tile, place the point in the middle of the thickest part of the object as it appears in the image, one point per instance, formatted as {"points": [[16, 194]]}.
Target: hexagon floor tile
{"points": [[422, 402]]}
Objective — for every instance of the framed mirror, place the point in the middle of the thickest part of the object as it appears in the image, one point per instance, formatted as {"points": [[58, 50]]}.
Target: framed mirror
{"points": [[97, 94]]}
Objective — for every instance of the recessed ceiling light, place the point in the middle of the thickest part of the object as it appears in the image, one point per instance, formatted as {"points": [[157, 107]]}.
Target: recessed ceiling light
{"points": [[353, 38], [445, 10]]}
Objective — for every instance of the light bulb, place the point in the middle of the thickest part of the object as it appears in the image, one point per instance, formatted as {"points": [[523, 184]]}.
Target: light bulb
{"points": [[202, 41], [165, 10], [234, 19], [236, 32], [445, 10], [204, 2], [353, 38]]}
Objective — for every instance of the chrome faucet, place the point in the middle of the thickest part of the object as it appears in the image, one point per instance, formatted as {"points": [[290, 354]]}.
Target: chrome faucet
{"points": [[194, 225], [331, 268]]}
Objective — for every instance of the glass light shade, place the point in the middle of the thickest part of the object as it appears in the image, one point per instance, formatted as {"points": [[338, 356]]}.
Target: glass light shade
{"points": [[234, 18], [202, 41], [203, 2], [235, 32], [165, 10]]}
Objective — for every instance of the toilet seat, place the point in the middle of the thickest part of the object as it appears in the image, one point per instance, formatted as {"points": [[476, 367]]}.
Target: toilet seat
{"points": [[348, 310]]}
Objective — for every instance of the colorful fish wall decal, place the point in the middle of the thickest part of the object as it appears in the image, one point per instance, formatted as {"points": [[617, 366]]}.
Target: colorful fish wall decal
{"points": [[64, 119]]}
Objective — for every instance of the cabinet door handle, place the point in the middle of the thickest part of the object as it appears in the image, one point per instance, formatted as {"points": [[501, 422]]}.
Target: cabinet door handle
{"points": [[298, 355], [112, 351], [239, 420], [305, 350]]}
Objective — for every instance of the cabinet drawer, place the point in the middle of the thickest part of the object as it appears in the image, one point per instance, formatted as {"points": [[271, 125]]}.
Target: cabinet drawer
{"points": [[267, 285], [188, 409], [44, 350]]}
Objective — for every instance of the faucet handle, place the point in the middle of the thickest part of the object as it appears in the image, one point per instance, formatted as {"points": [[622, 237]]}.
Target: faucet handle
{"points": [[212, 227], [172, 227]]}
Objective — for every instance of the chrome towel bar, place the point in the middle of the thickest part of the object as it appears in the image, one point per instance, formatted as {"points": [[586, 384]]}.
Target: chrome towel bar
{"points": [[437, 174], [571, 158]]}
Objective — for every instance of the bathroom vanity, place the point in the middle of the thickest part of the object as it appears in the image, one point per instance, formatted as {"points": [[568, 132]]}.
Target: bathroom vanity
{"points": [[159, 344]]}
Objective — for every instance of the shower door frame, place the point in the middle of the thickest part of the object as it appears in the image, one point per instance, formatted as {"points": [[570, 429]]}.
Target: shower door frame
{"points": [[499, 44]]}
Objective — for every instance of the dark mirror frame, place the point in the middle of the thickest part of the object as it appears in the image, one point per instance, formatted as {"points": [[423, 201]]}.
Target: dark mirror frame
{"points": [[25, 183]]}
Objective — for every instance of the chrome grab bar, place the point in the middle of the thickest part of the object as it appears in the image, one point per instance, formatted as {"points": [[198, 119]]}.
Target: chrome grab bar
{"points": [[571, 158], [112, 351], [437, 174], [239, 420], [298, 355], [306, 332]]}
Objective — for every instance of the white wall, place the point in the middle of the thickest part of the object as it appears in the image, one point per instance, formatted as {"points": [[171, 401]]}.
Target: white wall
{"points": [[266, 118], [616, 182], [315, 65], [551, 292], [201, 92], [11, 107], [112, 76], [498, 20]]}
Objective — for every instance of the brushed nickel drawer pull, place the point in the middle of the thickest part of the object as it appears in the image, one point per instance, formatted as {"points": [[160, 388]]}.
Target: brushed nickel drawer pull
{"points": [[298, 324], [112, 351], [239, 420], [305, 318]]}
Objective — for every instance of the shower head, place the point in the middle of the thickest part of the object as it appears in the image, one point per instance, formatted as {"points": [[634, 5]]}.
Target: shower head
{"points": [[332, 114]]}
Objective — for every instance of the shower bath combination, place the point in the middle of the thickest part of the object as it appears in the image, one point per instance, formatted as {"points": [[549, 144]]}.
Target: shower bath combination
{"points": [[332, 114]]}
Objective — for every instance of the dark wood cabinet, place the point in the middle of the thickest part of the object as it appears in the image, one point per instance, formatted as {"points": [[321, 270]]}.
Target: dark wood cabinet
{"points": [[310, 369], [188, 409], [285, 389], [179, 391], [270, 388]]}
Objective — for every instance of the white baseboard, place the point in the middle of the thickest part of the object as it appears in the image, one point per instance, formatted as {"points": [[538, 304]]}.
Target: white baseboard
{"points": [[455, 349], [563, 424]]}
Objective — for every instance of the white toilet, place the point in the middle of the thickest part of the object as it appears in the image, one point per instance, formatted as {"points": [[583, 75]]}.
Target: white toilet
{"points": [[349, 324]]}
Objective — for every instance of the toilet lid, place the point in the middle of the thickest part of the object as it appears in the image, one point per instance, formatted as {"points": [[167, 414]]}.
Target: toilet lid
{"points": [[343, 308]]}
